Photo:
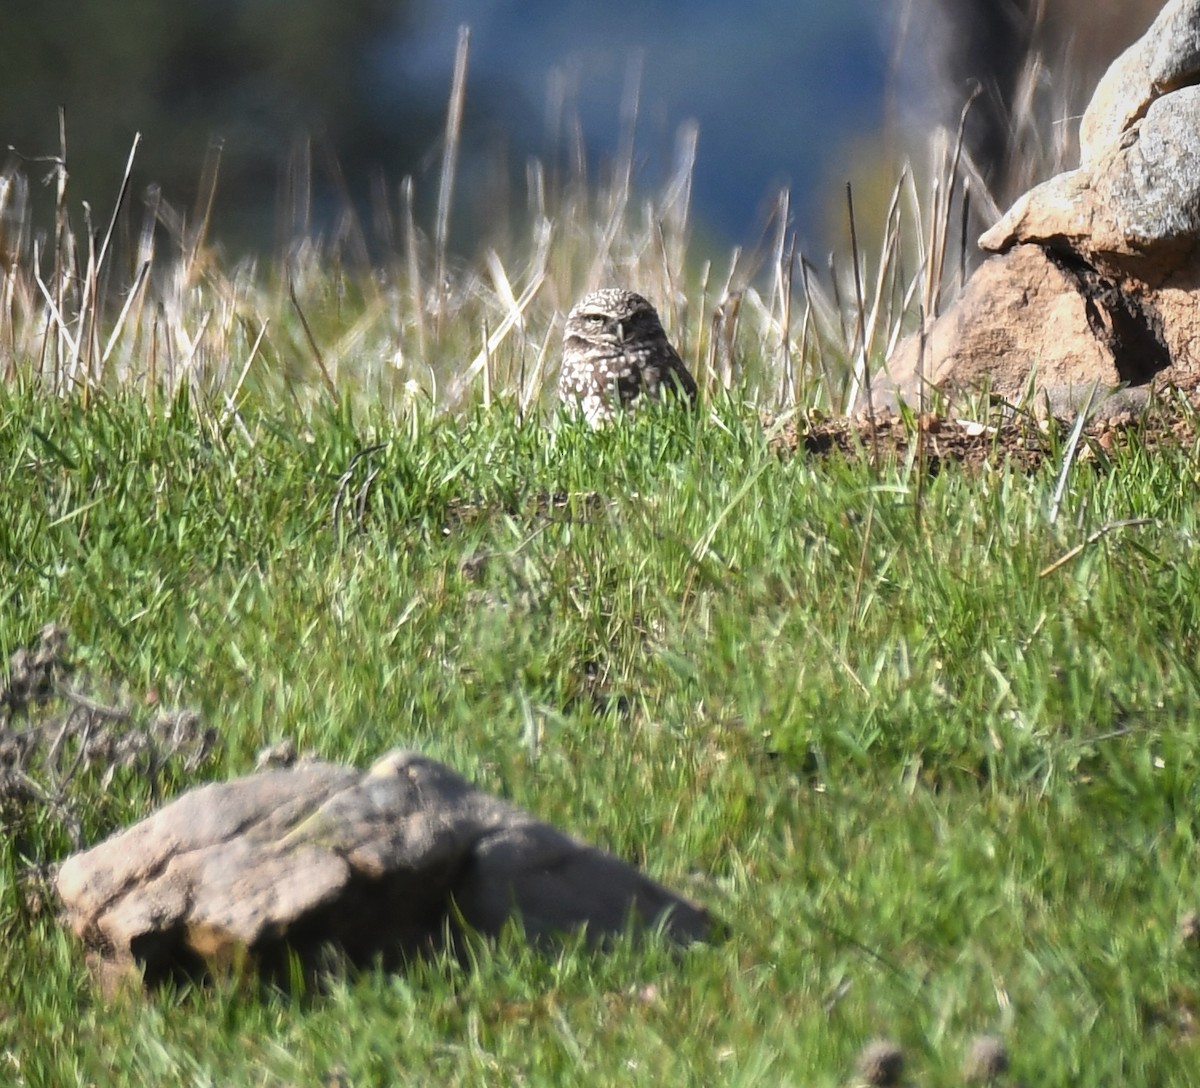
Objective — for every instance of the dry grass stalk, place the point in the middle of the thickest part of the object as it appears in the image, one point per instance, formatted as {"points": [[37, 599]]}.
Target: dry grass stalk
{"points": [[153, 305]]}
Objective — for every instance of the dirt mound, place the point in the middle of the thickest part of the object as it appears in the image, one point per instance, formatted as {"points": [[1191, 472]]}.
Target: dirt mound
{"points": [[1013, 437]]}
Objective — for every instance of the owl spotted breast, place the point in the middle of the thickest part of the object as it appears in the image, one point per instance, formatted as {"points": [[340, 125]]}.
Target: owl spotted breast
{"points": [[614, 352]]}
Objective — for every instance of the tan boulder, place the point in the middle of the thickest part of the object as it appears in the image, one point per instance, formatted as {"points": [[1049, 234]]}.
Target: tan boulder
{"points": [[995, 337], [379, 865]]}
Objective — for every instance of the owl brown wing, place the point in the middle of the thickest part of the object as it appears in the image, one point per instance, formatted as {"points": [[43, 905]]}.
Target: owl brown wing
{"points": [[675, 376]]}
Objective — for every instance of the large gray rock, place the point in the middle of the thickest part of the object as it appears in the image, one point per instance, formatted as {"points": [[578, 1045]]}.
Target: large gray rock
{"points": [[1096, 281], [1134, 208], [1165, 59], [379, 865]]}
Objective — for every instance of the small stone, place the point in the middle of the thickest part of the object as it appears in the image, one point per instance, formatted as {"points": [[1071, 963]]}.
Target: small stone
{"points": [[52, 643], [881, 1064], [987, 1060], [648, 994], [282, 754]]}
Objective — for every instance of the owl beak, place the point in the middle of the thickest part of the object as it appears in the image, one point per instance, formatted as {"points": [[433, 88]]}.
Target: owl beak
{"points": [[620, 333]]}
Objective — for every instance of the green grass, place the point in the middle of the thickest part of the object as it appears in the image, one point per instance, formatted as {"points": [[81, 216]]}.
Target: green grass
{"points": [[930, 792]]}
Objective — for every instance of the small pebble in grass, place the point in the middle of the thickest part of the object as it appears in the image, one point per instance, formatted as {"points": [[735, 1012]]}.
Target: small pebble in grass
{"points": [[336, 1077], [273, 756], [880, 1064], [986, 1061], [1188, 929], [647, 994]]}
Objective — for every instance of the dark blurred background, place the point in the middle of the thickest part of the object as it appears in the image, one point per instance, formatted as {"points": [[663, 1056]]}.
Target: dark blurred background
{"points": [[797, 93]]}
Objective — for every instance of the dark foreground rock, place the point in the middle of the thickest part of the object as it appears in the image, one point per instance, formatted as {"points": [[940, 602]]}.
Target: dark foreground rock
{"points": [[380, 865]]}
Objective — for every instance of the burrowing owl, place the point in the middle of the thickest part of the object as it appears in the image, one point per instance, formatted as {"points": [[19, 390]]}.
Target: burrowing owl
{"points": [[614, 351]]}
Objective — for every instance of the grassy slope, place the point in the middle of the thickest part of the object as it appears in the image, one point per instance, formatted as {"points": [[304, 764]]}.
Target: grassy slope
{"points": [[932, 793]]}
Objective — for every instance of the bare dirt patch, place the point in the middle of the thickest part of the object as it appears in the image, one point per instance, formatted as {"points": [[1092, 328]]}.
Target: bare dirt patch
{"points": [[1017, 438]]}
